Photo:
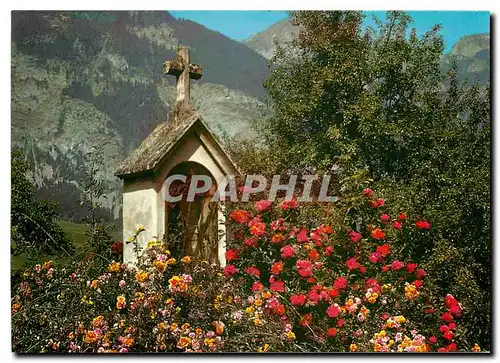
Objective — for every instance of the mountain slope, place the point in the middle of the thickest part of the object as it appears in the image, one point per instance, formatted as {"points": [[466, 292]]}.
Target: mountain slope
{"points": [[264, 42], [81, 79]]}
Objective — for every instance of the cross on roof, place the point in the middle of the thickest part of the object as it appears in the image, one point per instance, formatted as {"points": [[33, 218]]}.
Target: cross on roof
{"points": [[183, 71]]}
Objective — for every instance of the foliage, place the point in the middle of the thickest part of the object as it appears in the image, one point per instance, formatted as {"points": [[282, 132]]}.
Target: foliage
{"points": [[349, 100], [34, 228]]}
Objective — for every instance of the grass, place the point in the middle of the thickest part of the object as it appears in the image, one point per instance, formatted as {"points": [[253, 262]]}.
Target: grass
{"points": [[76, 234]]}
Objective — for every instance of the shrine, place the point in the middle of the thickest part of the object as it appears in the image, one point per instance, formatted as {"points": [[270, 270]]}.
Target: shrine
{"points": [[182, 145]]}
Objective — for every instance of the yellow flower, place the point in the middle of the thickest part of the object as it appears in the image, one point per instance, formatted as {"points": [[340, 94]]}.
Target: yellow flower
{"points": [[185, 326], [476, 348], [98, 321], [159, 265], [265, 348], [87, 300], [186, 259], [411, 292], [174, 326], [120, 302], [171, 261], [353, 347], [290, 335], [249, 310], [198, 331], [400, 319], [142, 276], [114, 267], [258, 322], [258, 302], [266, 295]]}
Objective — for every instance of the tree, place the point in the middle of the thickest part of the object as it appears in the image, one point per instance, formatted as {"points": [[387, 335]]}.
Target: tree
{"points": [[34, 228], [347, 99]]}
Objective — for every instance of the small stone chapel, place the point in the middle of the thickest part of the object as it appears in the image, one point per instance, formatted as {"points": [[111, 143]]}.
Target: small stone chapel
{"points": [[182, 145]]}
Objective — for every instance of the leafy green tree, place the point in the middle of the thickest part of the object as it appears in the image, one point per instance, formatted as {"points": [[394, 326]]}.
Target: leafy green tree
{"points": [[349, 99], [34, 228]]}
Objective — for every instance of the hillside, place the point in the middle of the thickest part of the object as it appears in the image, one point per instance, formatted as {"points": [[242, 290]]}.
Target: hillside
{"points": [[81, 79], [472, 52]]}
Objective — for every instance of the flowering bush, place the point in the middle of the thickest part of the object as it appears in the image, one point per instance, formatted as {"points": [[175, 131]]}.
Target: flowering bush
{"points": [[289, 285]]}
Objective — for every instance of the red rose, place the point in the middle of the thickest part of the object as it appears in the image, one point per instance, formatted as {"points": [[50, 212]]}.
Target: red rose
{"points": [[448, 335], [354, 236], [333, 311], [442, 350], [410, 267], [230, 270], [306, 319], [331, 332], [397, 225], [443, 328], [232, 255], [423, 225], [340, 323], [333, 293], [253, 271], [452, 326], [384, 249], [420, 274], [292, 204], [432, 339], [375, 257], [257, 286], [417, 283], [452, 347], [384, 218], [340, 283], [429, 311], [368, 192], [380, 202], [262, 205], [397, 265], [450, 301], [313, 255], [287, 251], [402, 217], [256, 227], [378, 234], [278, 286], [456, 310], [302, 236], [240, 216], [352, 264], [384, 316], [447, 317], [277, 268], [304, 268], [328, 250], [362, 269], [385, 268], [251, 241], [277, 238], [313, 296], [298, 300]]}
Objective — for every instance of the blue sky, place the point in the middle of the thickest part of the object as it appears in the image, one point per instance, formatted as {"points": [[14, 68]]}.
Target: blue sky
{"points": [[240, 25]]}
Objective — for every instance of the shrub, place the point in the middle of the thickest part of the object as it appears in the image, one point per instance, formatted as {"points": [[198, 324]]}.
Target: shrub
{"points": [[288, 285]]}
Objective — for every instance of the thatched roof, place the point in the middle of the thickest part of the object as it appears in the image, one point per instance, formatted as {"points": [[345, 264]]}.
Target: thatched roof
{"points": [[152, 151]]}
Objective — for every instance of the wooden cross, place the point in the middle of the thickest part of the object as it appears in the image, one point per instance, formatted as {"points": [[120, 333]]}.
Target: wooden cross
{"points": [[183, 71]]}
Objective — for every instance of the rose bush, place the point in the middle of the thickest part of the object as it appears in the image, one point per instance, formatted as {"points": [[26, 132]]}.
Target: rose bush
{"points": [[290, 284]]}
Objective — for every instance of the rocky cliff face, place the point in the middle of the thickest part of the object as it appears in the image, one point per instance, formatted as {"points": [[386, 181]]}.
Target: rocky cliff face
{"points": [[84, 79], [265, 42]]}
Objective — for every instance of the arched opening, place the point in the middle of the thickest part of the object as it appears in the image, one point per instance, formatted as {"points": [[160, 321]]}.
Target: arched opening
{"points": [[191, 227]]}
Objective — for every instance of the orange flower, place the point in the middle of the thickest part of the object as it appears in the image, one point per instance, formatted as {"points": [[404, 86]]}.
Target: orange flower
{"points": [[183, 342], [377, 233], [120, 302], [114, 267], [16, 307], [277, 268], [186, 259], [240, 216], [90, 337], [129, 341], [142, 276], [160, 265]]}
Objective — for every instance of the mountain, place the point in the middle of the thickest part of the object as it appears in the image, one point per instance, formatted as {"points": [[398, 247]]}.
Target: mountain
{"points": [[472, 52], [473, 57], [84, 79], [264, 42]]}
